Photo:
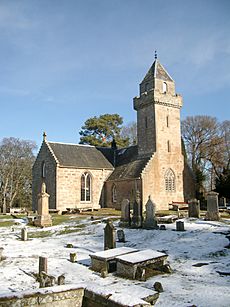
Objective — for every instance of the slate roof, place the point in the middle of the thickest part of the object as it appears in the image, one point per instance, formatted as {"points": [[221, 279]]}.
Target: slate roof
{"points": [[81, 156], [128, 164], [158, 71]]}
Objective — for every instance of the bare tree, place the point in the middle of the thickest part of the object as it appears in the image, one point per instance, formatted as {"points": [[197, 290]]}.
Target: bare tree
{"points": [[203, 139], [16, 159], [130, 131]]}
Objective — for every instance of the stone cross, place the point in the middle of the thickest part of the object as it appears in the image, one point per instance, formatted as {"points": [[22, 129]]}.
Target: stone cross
{"points": [[125, 213], [212, 207], [109, 235], [121, 235], [137, 212], [42, 265], [179, 225], [194, 208], [24, 234], [43, 218], [150, 221]]}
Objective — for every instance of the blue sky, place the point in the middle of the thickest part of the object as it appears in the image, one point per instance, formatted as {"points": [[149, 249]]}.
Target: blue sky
{"points": [[64, 61]]}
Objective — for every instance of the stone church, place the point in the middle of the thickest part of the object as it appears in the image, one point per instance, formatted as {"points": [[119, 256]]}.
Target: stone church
{"points": [[88, 177]]}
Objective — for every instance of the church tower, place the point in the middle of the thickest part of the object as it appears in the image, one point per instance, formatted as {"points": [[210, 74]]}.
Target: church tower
{"points": [[159, 136], [158, 113]]}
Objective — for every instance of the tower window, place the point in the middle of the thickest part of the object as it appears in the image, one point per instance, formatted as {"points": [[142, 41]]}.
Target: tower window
{"points": [[170, 181], [114, 194], [146, 122], [86, 187], [165, 87], [43, 169], [167, 121], [168, 146]]}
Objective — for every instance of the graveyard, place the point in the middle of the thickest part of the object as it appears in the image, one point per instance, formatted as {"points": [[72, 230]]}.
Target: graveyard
{"points": [[195, 249]]}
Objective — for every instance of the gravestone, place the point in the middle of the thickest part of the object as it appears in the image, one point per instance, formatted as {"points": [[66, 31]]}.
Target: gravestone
{"points": [[121, 235], [194, 208], [137, 212], [42, 265], [61, 280], [222, 202], [109, 235], [162, 227], [43, 218], [179, 226], [212, 207], [24, 234], [73, 257], [150, 221], [125, 213]]}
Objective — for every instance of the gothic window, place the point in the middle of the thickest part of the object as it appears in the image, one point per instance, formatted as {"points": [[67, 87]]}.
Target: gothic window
{"points": [[170, 181], [43, 169], [114, 194], [86, 187], [165, 87]]}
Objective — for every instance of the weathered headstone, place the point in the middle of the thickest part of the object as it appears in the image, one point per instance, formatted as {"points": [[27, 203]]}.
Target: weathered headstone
{"points": [[125, 213], [43, 218], [137, 212], [24, 236], [162, 227], [121, 235], [109, 235], [150, 221], [194, 208], [179, 225], [61, 280], [73, 257], [158, 286], [212, 207], [222, 202], [42, 265]]}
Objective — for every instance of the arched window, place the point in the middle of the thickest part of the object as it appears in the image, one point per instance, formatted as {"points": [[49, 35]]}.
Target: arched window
{"points": [[86, 187], [165, 87], [43, 169], [170, 181], [114, 194]]}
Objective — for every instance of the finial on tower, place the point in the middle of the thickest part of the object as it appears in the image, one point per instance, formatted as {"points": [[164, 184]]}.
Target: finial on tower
{"points": [[44, 136], [155, 55]]}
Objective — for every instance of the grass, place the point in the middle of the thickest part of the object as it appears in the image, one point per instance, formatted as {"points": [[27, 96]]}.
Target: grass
{"points": [[102, 212], [6, 223]]}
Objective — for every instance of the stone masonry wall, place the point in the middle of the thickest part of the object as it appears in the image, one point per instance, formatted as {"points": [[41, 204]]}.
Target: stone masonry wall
{"points": [[69, 187], [125, 190], [44, 155]]}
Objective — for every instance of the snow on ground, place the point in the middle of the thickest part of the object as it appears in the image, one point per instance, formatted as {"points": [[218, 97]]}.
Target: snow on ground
{"points": [[202, 243]]}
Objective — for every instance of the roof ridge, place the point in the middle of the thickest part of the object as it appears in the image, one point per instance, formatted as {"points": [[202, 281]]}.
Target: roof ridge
{"points": [[72, 144]]}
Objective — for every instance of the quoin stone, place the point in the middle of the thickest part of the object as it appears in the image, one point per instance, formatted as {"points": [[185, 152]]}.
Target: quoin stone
{"points": [[43, 218], [194, 208], [150, 220], [212, 207], [109, 235]]}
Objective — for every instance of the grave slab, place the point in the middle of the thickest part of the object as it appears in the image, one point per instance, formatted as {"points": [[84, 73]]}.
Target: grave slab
{"points": [[106, 260], [135, 265]]}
